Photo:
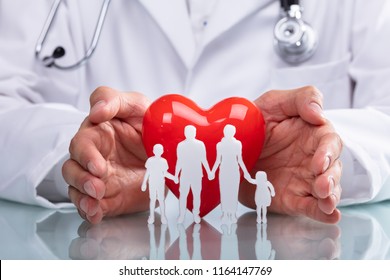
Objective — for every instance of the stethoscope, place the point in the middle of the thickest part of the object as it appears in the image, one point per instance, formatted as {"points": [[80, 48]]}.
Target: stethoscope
{"points": [[295, 41]]}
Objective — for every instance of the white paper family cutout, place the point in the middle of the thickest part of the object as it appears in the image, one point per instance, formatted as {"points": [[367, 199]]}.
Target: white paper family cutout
{"points": [[191, 159]]}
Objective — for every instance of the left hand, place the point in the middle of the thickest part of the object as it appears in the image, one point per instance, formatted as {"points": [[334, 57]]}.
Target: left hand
{"points": [[300, 156]]}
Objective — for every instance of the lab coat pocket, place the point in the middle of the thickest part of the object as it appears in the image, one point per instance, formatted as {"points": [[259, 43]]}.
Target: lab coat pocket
{"points": [[318, 75]]}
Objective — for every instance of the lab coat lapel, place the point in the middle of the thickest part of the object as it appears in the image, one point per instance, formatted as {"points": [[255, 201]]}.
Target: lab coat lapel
{"points": [[227, 14], [172, 17]]}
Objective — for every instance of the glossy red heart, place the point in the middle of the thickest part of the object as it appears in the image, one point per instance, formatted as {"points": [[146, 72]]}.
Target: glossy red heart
{"points": [[164, 124]]}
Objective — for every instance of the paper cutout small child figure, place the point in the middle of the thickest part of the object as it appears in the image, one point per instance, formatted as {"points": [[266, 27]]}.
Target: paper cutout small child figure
{"points": [[156, 171], [264, 191]]}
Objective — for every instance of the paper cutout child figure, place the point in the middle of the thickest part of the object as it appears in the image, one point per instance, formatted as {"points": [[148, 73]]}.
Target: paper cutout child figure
{"points": [[264, 191], [156, 171], [191, 156], [229, 160]]}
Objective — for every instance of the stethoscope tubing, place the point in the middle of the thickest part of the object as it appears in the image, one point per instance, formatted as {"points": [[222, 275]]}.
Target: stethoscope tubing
{"points": [[293, 53], [94, 41]]}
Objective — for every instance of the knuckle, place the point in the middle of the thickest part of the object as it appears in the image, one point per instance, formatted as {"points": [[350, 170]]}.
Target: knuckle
{"points": [[313, 92], [73, 145], [98, 92]]}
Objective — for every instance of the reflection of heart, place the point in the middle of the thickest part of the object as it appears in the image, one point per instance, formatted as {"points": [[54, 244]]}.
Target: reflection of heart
{"points": [[164, 124]]}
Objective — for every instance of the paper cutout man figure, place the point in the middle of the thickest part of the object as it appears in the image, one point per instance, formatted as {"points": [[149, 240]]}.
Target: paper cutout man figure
{"points": [[191, 156], [156, 171], [264, 191], [229, 160]]}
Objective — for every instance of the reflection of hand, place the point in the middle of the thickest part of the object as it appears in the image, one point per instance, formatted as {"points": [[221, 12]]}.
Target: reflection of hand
{"points": [[289, 237], [107, 157], [123, 237], [300, 155], [302, 238]]}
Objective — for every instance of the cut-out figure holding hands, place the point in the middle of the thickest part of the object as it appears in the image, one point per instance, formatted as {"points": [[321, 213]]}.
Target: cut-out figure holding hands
{"points": [[191, 156], [264, 191], [156, 171], [229, 160]]}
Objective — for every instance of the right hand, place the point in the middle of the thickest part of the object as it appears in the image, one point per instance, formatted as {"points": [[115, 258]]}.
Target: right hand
{"points": [[106, 165]]}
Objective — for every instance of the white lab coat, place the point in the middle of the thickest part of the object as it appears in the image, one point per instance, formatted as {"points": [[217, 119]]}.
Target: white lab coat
{"points": [[155, 47]]}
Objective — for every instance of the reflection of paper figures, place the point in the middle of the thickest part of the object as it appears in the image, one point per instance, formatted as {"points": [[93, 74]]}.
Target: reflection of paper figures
{"points": [[183, 246], [229, 242], [263, 246], [157, 251], [264, 191], [156, 171], [229, 160], [191, 155]]}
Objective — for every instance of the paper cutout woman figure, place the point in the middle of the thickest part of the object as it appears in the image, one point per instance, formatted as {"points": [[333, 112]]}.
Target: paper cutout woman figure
{"points": [[156, 171], [229, 160], [264, 191], [191, 156]]}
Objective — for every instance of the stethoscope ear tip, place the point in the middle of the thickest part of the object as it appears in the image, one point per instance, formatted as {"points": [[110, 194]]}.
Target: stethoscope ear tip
{"points": [[49, 61], [58, 52]]}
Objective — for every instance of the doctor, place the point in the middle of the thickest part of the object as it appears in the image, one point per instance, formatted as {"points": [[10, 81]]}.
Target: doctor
{"points": [[207, 50]]}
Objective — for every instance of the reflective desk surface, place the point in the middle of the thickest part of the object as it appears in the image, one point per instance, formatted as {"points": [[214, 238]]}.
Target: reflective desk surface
{"points": [[28, 232]]}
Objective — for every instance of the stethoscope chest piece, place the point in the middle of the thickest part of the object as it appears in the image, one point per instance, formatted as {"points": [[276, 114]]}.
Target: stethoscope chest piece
{"points": [[294, 40]]}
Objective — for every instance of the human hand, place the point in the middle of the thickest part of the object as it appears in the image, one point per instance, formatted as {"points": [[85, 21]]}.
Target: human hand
{"points": [[211, 175], [106, 165], [143, 187], [300, 156], [176, 180]]}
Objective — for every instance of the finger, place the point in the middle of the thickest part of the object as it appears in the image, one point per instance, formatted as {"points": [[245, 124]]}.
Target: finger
{"points": [[326, 153], [97, 217], [304, 102], [84, 203], [82, 180], [83, 149], [107, 103], [309, 208], [328, 205], [325, 183]]}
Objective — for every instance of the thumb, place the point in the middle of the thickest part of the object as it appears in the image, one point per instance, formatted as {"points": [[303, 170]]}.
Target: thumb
{"points": [[305, 102], [108, 103]]}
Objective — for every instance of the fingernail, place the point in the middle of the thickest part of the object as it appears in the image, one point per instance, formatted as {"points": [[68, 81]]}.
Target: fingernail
{"points": [[317, 109], [331, 185], [84, 205], [326, 163], [98, 105], [91, 168], [90, 189]]}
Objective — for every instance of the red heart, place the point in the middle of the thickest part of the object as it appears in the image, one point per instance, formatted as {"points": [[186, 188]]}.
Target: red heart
{"points": [[164, 124]]}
